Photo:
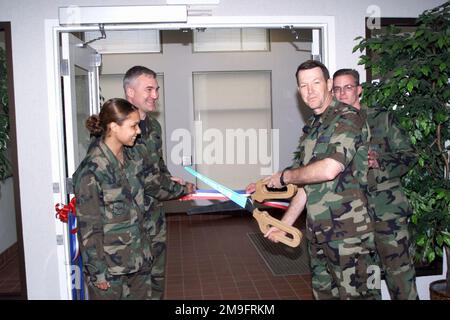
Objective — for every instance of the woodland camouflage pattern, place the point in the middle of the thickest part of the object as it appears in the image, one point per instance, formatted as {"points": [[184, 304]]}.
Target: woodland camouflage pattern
{"points": [[110, 214], [345, 269], [158, 187], [388, 203], [337, 209], [344, 261], [134, 286], [395, 157]]}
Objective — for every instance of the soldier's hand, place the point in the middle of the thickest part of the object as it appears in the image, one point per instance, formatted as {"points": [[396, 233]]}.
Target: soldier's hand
{"points": [[190, 188], [372, 157], [250, 188], [273, 181], [273, 233], [178, 180], [104, 285]]}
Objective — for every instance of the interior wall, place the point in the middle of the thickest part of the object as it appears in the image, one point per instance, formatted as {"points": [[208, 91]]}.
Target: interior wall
{"points": [[33, 117]]}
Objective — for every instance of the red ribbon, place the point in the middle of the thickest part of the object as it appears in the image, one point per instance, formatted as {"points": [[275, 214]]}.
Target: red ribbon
{"points": [[63, 213]]}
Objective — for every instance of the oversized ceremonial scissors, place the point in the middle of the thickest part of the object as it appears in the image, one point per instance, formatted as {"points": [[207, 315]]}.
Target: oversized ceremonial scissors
{"points": [[292, 237]]}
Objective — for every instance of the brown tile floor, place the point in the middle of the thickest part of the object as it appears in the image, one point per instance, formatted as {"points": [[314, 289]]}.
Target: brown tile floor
{"points": [[10, 280], [210, 257]]}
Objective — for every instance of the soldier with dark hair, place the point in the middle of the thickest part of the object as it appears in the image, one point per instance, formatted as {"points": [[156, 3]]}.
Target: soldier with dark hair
{"points": [[390, 157], [142, 90], [109, 189], [332, 170]]}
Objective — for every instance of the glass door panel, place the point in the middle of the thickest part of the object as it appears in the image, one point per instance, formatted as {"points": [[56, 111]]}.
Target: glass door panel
{"points": [[232, 125], [80, 82], [83, 110]]}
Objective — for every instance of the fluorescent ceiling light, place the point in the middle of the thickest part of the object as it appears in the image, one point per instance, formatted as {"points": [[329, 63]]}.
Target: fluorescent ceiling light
{"points": [[75, 15], [190, 2]]}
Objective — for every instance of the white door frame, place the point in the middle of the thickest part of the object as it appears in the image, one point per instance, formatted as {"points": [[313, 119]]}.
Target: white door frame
{"points": [[84, 57], [52, 31]]}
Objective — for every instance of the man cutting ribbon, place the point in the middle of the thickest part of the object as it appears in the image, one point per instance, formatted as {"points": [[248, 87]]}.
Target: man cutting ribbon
{"points": [[288, 235]]}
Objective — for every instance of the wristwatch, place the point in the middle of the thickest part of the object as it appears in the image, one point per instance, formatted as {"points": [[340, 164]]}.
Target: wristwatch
{"points": [[283, 184]]}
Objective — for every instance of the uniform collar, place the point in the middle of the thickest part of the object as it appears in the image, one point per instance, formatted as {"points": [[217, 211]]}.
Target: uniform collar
{"points": [[328, 111], [110, 155]]}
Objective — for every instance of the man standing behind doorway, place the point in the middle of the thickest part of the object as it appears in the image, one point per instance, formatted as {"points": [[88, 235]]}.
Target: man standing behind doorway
{"points": [[142, 90], [390, 157]]}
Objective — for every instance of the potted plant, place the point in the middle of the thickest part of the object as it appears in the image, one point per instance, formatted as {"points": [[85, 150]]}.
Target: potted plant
{"points": [[5, 166], [412, 72]]}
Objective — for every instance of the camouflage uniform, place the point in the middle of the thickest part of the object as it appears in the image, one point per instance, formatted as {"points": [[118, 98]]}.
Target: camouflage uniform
{"points": [[110, 212], [389, 204], [339, 228], [158, 187]]}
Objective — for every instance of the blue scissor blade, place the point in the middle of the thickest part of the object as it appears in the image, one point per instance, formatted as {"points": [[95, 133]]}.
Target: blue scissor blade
{"points": [[237, 198]]}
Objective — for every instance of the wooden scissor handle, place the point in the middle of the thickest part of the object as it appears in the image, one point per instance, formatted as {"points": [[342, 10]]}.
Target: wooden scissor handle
{"points": [[265, 221], [261, 193]]}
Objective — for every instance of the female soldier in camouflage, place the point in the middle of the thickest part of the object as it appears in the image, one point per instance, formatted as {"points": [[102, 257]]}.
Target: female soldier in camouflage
{"points": [[110, 204]]}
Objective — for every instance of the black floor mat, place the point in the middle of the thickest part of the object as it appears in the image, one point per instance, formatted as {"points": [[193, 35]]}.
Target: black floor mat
{"points": [[281, 259]]}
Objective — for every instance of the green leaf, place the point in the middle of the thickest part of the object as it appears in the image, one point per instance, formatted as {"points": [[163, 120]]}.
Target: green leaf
{"points": [[420, 241], [421, 162], [425, 70], [442, 193], [398, 72], [419, 33], [441, 117], [411, 84], [418, 134], [438, 251], [431, 256], [440, 240], [446, 239]]}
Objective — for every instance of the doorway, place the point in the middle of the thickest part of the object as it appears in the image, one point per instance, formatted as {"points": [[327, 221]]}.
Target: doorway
{"points": [[234, 95], [192, 77]]}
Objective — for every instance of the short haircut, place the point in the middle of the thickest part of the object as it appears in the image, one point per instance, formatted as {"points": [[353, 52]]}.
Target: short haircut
{"points": [[350, 72], [134, 73], [311, 64]]}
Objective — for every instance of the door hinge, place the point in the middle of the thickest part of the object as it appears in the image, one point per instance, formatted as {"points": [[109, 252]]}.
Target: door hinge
{"points": [[69, 185], [317, 57], [64, 67], [316, 45], [56, 187], [59, 239], [98, 60]]}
